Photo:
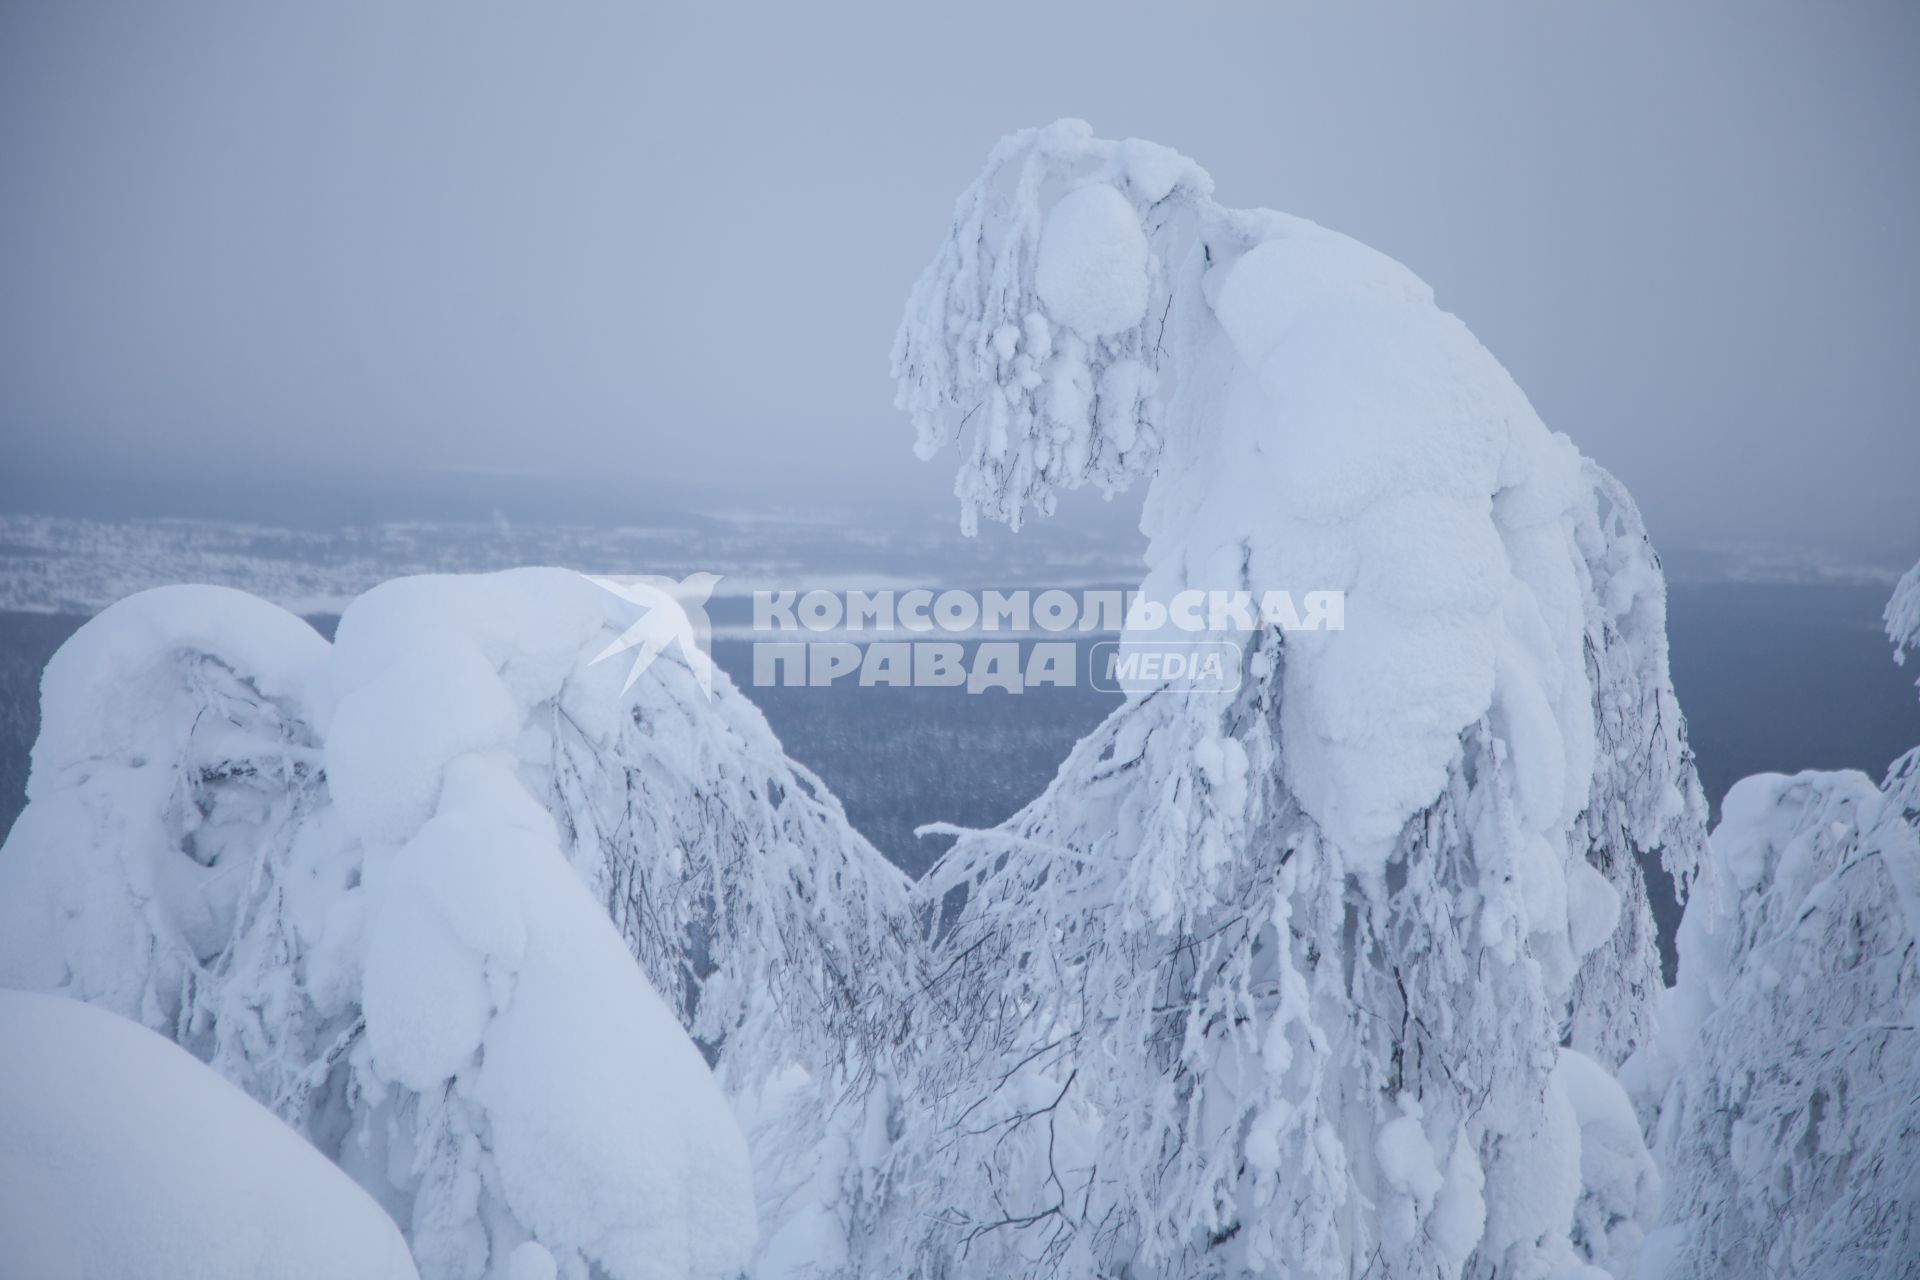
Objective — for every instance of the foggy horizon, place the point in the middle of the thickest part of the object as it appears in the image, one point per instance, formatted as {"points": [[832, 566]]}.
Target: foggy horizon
{"points": [[595, 264]]}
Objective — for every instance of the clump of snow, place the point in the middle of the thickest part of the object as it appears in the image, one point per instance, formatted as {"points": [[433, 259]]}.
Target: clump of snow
{"points": [[1459, 1214], [608, 1128], [1408, 1167], [122, 1156], [385, 770], [1372, 434], [1093, 272], [1534, 1190], [1593, 908], [1619, 1184], [115, 688]]}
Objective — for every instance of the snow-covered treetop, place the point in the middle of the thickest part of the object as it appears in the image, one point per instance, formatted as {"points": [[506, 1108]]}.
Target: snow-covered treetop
{"points": [[1312, 421], [110, 691], [1040, 322]]}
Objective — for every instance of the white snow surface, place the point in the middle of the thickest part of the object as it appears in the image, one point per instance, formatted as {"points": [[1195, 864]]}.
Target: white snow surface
{"points": [[124, 1158], [104, 687]]}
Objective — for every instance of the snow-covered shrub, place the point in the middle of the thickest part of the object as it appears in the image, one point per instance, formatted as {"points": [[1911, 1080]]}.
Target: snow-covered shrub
{"points": [[1274, 982], [122, 1156], [340, 874], [1784, 1084]]}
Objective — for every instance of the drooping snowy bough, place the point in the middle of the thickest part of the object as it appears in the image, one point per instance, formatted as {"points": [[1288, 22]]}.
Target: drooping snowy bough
{"points": [[1275, 981], [1784, 1084], [341, 876]]}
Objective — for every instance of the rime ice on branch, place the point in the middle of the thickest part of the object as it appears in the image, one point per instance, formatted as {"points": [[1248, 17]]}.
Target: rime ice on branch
{"points": [[1277, 979], [1040, 325]]}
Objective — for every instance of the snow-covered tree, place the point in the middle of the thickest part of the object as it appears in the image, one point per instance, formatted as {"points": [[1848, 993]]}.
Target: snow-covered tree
{"points": [[1784, 1085], [1902, 615], [781, 937], [177, 858], [340, 874], [1274, 982], [122, 1156]]}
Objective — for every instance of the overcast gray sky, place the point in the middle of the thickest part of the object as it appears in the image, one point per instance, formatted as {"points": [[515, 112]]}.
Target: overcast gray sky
{"points": [[657, 245]]}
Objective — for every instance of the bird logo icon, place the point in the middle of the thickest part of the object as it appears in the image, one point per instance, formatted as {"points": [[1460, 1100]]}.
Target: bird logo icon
{"points": [[672, 614]]}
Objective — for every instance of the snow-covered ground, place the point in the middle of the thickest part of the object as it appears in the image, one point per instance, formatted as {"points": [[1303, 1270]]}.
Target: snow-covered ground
{"points": [[122, 1156]]}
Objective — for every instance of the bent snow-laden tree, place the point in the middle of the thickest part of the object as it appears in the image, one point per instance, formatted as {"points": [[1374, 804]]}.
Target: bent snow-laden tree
{"points": [[1785, 1081], [340, 875], [1275, 982]]}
